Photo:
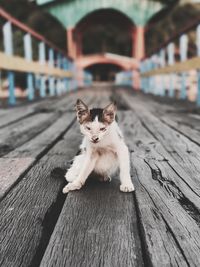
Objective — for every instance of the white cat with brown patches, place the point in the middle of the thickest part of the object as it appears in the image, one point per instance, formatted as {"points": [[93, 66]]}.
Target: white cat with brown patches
{"points": [[103, 149]]}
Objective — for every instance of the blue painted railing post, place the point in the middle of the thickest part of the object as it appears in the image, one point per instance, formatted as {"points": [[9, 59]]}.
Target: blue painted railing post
{"points": [[146, 78], [42, 57], [170, 51], [65, 67], [51, 78], [162, 63], [28, 57], [198, 71], [141, 68], [58, 80], [183, 57], [148, 63], [8, 48], [152, 78], [72, 79]]}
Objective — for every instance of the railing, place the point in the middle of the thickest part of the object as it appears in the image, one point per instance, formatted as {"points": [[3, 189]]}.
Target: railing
{"points": [[124, 78], [46, 68], [170, 71]]}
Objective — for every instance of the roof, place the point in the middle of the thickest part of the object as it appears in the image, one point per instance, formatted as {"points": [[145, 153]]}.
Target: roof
{"points": [[69, 13]]}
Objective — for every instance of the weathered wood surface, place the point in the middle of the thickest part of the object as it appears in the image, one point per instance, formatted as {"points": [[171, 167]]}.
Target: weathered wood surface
{"points": [[167, 196], [48, 105], [19, 160], [158, 225], [30, 211], [97, 227]]}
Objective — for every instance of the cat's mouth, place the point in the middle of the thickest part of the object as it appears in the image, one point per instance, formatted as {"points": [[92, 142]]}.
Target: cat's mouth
{"points": [[95, 141]]}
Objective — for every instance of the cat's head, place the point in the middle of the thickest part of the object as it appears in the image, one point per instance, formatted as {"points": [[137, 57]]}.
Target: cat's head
{"points": [[94, 123]]}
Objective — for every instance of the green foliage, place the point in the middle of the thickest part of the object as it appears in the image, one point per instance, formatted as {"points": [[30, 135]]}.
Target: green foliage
{"points": [[173, 22], [30, 14], [166, 2]]}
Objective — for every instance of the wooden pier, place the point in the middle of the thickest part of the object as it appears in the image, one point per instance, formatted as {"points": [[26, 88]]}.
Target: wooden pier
{"points": [[158, 225]]}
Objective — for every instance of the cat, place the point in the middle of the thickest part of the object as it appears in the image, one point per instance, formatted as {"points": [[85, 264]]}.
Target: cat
{"points": [[103, 149]]}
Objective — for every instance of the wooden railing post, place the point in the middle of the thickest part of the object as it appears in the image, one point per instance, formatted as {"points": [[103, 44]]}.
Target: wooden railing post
{"points": [[183, 57], [51, 78], [170, 51], [28, 57], [8, 48], [42, 61]]}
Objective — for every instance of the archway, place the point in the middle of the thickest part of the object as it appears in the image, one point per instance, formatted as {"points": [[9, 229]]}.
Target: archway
{"points": [[105, 31], [70, 13], [103, 72]]}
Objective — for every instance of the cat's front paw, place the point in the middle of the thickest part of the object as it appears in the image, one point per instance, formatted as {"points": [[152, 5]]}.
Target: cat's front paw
{"points": [[76, 185], [129, 187]]}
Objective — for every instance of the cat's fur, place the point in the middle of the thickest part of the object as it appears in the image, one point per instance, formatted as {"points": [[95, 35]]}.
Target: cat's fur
{"points": [[103, 149]]}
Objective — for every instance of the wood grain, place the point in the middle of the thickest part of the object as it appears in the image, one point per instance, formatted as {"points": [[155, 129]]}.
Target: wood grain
{"points": [[97, 227], [25, 207], [20, 132], [30, 209], [176, 204]]}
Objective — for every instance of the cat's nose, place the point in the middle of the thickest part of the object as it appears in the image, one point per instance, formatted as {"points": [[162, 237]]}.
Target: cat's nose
{"points": [[95, 139]]}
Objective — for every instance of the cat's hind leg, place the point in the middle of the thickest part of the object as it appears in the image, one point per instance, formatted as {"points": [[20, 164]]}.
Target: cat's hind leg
{"points": [[105, 178]]}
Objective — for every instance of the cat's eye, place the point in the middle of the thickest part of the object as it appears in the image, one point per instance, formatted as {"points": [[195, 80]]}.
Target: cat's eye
{"points": [[88, 128], [102, 129]]}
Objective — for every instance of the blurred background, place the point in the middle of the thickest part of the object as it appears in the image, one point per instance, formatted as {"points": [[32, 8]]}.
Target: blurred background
{"points": [[102, 40]]}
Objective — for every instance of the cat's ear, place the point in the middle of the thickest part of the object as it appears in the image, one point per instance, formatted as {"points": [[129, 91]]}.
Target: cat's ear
{"points": [[82, 111], [109, 113]]}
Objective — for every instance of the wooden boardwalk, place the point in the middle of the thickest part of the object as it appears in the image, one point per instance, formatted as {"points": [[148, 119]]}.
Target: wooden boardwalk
{"points": [[158, 225]]}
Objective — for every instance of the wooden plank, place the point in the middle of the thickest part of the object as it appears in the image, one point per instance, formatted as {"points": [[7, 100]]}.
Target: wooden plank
{"points": [[20, 132], [174, 239], [161, 247], [30, 210], [10, 169], [97, 227], [24, 156], [169, 221], [62, 104], [182, 127], [37, 145], [108, 234], [15, 163], [185, 154], [17, 113], [175, 116]]}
